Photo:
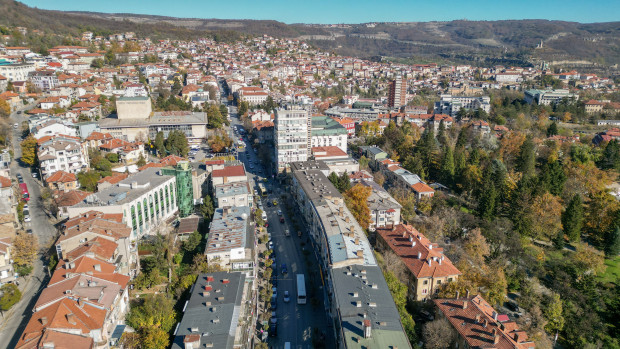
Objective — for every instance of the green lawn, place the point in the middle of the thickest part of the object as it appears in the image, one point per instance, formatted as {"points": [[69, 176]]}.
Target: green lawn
{"points": [[612, 274]]}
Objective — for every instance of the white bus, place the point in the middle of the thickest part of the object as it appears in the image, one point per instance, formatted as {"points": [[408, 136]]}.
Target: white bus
{"points": [[301, 289]]}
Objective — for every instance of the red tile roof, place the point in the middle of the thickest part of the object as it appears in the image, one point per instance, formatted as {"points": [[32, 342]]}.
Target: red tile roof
{"points": [[408, 244], [5, 182], [70, 198], [473, 319], [171, 160], [422, 188], [329, 151], [98, 136], [86, 265], [61, 177], [230, 171], [113, 179], [98, 247]]}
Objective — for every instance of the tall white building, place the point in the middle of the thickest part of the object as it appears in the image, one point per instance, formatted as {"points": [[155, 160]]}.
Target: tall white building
{"points": [[450, 105], [292, 136], [62, 154]]}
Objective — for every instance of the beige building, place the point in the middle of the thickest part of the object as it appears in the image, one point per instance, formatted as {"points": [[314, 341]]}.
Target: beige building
{"points": [[427, 267], [7, 273]]}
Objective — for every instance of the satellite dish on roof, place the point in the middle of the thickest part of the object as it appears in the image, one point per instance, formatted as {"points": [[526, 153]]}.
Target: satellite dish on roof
{"points": [[244, 216]]}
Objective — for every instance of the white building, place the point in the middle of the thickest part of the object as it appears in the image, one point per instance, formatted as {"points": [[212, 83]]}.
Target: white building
{"points": [[146, 200], [62, 153], [327, 132], [53, 128], [16, 72], [253, 95], [547, 97], [292, 136], [450, 105], [44, 79]]}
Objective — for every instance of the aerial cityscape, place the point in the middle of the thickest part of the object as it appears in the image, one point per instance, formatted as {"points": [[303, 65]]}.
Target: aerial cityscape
{"points": [[309, 175]]}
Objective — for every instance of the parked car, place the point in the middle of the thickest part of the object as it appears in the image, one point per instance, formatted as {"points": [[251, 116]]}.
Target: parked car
{"points": [[279, 212], [287, 297], [275, 292], [514, 307], [270, 245], [273, 330], [281, 219], [284, 270], [274, 304], [287, 233]]}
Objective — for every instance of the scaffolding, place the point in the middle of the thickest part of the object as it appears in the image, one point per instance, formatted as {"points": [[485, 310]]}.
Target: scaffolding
{"points": [[185, 194]]}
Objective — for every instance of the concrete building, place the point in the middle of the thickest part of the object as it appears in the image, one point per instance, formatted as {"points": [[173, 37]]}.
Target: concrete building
{"points": [[7, 273], [327, 132], [426, 266], [359, 302], [231, 240], [548, 97], [397, 95], [16, 71], [292, 136], [62, 154], [450, 105], [212, 313], [384, 209], [44, 79], [233, 194], [133, 108], [145, 199], [184, 183]]}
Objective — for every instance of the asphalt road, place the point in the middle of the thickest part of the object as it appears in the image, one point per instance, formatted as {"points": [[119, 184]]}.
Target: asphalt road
{"points": [[14, 321], [295, 321]]}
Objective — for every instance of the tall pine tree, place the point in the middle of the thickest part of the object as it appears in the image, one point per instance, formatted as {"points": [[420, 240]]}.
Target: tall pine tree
{"points": [[447, 166], [526, 162], [572, 218]]}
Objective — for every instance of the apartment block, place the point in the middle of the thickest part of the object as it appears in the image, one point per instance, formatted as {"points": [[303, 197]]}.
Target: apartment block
{"points": [[292, 128]]}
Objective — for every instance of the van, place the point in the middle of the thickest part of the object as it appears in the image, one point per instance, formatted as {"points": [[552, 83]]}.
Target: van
{"points": [[287, 345]]}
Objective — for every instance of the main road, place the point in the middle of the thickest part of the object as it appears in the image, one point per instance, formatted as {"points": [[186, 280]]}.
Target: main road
{"points": [[295, 322], [14, 321]]}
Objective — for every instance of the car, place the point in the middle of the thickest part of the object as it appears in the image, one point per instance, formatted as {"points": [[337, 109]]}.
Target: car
{"points": [[28, 231], [19, 112], [35, 175], [268, 203], [284, 270], [25, 208], [270, 245], [266, 224], [16, 125], [275, 202], [26, 218], [273, 330], [287, 297], [281, 219], [274, 319], [19, 177], [287, 233], [275, 292], [274, 304], [279, 212]]}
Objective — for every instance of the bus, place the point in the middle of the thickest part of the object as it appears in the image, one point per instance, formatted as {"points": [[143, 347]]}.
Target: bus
{"points": [[262, 190], [301, 289], [24, 189]]}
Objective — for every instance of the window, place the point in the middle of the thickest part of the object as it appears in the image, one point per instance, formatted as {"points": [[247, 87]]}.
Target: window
{"points": [[438, 282], [425, 282], [424, 291], [449, 279]]}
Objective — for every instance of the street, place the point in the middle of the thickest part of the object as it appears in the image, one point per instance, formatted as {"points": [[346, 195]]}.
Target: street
{"points": [[295, 322], [14, 321]]}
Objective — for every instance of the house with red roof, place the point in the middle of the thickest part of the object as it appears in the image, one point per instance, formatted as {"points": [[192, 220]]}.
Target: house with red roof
{"points": [[428, 269], [228, 174], [62, 181], [478, 325]]}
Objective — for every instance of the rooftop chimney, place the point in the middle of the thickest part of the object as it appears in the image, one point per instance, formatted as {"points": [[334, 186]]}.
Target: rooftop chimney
{"points": [[357, 241], [413, 244], [496, 339], [419, 255], [485, 323], [97, 267], [367, 329], [495, 315], [360, 253], [464, 304], [346, 219], [43, 320], [478, 318], [467, 294], [430, 246], [517, 337], [457, 295], [429, 262], [71, 319]]}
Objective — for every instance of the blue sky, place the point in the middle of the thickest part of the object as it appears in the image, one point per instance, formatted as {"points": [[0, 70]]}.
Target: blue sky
{"points": [[353, 11]]}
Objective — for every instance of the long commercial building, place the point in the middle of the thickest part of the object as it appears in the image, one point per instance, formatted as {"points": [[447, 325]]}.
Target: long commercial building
{"points": [[359, 302]]}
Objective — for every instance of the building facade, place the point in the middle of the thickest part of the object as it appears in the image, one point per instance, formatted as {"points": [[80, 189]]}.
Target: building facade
{"points": [[397, 96], [292, 129]]}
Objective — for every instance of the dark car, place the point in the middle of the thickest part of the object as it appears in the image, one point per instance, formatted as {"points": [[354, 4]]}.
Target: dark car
{"points": [[281, 219], [514, 307], [273, 330], [284, 270], [268, 203], [274, 305]]}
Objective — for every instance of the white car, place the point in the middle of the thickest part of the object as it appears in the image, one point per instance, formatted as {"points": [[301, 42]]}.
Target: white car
{"points": [[279, 212], [26, 218], [287, 297]]}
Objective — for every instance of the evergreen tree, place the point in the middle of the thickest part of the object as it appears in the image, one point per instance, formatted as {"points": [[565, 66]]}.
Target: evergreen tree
{"points": [[552, 177], [612, 242], [160, 143], [486, 203], [141, 161], [345, 182], [447, 166], [610, 159], [572, 218], [333, 177], [552, 130], [441, 133], [526, 162]]}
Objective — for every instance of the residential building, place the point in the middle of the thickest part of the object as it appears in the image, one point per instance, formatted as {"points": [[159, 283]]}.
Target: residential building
{"points": [[427, 268], [328, 132], [228, 174], [44, 79], [212, 313], [359, 302], [184, 191], [145, 199], [52, 128], [231, 238], [62, 154], [253, 95], [233, 194], [62, 181], [593, 106], [548, 97], [451, 105], [478, 325], [292, 136], [7, 273], [16, 71], [397, 95], [384, 209]]}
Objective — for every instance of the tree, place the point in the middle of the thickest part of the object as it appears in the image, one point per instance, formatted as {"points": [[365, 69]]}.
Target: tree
{"points": [[610, 159], [572, 218], [153, 319], [356, 199], [612, 242], [141, 161], [545, 216], [552, 130], [160, 144], [207, 209], [526, 162], [192, 242], [112, 157], [345, 182], [447, 166], [554, 314], [214, 116], [25, 248], [10, 296], [5, 108], [438, 334], [476, 246], [88, 180], [176, 87], [177, 143], [29, 151], [399, 294], [333, 177], [219, 141]]}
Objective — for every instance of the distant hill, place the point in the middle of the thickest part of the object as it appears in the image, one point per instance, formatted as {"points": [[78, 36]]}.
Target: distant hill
{"points": [[475, 42]]}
